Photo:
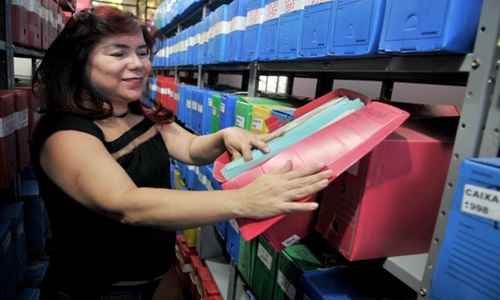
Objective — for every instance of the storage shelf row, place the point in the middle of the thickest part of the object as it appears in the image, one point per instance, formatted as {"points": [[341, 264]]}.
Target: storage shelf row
{"points": [[27, 52]]}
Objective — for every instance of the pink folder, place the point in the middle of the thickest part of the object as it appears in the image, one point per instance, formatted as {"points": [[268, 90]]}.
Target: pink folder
{"points": [[337, 146]]}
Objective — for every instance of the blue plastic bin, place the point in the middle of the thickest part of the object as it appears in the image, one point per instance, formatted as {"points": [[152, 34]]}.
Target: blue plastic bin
{"points": [[233, 240], [359, 282], [203, 52], [237, 13], [251, 38], [357, 27], [290, 28], [196, 36], [228, 110], [430, 25], [269, 31], [217, 44], [469, 258], [318, 19]]}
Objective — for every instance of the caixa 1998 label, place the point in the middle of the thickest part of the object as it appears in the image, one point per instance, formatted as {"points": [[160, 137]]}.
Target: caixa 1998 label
{"points": [[481, 202]]}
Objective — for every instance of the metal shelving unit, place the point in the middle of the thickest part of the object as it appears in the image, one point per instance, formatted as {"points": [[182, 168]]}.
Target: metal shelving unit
{"points": [[479, 127]]}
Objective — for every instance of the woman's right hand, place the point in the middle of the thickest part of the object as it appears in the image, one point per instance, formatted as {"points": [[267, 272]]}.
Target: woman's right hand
{"points": [[276, 193]]}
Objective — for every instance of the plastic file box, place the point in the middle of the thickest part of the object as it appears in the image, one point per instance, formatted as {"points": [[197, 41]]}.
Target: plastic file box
{"points": [[269, 31], [319, 17], [221, 228], [430, 25], [8, 160], [251, 38], [35, 23], [361, 282], [337, 146], [291, 229], [248, 250], [233, 240], [237, 14], [264, 271], [379, 192], [206, 111], [183, 49], [243, 117], [19, 21], [467, 264], [203, 43], [357, 27], [290, 26], [22, 129], [220, 32], [196, 44], [187, 45], [228, 110], [292, 263], [215, 105]]}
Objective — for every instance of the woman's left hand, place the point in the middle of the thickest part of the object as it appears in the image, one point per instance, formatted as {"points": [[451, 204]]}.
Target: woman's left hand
{"points": [[240, 142]]}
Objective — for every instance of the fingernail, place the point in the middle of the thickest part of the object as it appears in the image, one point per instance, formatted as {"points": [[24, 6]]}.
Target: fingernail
{"points": [[314, 205]]}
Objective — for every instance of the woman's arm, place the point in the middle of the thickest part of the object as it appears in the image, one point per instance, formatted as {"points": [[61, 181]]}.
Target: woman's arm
{"points": [[80, 165], [199, 150]]}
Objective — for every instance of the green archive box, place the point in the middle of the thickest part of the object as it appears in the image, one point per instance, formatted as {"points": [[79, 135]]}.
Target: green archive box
{"points": [[264, 272], [216, 104], [292, 263], [243, 114], [246, 259]]}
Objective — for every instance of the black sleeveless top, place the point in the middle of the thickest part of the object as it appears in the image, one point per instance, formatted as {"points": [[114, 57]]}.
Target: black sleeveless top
{"points": [[90, 251]]}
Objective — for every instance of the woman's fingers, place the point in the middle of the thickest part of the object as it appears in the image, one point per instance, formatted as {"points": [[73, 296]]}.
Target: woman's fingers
{"points": [[310, 189], [260, 144], [246, 150], [291, 207]]}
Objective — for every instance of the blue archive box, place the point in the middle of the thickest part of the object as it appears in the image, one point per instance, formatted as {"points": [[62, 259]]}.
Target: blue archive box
{"points": [[182, 109], [221, 32], [233, 240], [206, 28], [469, 258], [269, 31], [183, 48], [202, 42], [188, 47], [251, 38], [319, 16], [237, 13], [196, 41], [357, 27], [430, 25], [174, 61], [210, 56], [290, 27], [228, 110], [206, 112]]}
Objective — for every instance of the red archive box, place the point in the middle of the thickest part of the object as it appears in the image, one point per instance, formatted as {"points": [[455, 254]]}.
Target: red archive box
{"points": [[34, 23], [19, 21], [34, 108], [290, 230], [204, 286], [387, 204], [337, 146], [22, 132], [7, 138], [167, 92]]}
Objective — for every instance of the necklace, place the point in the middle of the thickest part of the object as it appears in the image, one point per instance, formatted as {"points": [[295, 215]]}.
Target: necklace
{"points": [[123, 115]]}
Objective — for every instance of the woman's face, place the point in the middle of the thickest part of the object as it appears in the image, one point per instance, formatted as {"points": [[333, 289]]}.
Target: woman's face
{"points": [[118, 67]]}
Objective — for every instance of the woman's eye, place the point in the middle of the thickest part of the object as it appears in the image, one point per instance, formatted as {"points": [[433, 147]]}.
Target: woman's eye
{"points": [[143, 53], [117, 54]]}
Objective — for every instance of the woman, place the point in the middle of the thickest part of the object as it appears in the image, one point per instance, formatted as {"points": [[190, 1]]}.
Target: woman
{"points": [[103, 168]]}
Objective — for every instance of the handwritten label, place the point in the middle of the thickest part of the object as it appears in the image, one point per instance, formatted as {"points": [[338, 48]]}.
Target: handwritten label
{"points": [[265, 257]]}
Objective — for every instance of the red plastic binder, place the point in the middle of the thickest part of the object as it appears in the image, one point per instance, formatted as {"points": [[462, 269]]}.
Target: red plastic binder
{"points": [[387, 204], [22, 132], [7, 138], [337, 146], [166, 93], [19, 21]]}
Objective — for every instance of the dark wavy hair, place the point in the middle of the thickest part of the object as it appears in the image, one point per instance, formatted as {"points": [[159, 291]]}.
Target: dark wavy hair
{"points": [[61, 79]]}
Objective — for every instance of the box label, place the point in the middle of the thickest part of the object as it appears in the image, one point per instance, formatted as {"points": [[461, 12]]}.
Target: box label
{"points": [[8, 125], [481, 202], [285, 285], [291, 240], [271, 11], [222, 108], [316, 2], [289, 6], [240, 121], [238, 24], [265, 257], [234, 224], [257, 124]]}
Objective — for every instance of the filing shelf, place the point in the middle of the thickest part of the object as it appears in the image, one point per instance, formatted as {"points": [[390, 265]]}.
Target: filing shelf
{"points": [[477, 71]]}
